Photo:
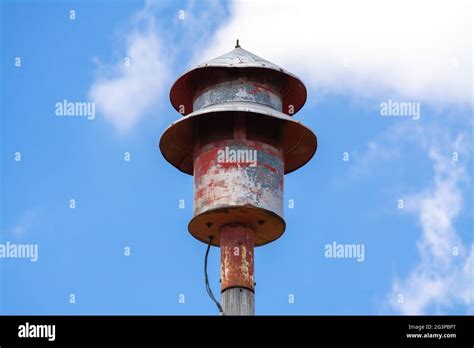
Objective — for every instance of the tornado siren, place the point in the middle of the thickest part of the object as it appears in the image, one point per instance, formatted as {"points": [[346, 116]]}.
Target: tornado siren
{"points": [[237, 138]]}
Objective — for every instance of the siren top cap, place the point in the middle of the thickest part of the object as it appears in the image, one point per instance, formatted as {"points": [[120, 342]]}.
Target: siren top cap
{"points": [[183, 91]]}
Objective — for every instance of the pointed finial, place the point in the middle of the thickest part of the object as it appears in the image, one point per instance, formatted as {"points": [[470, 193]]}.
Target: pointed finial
{"points": [[237, 44]]}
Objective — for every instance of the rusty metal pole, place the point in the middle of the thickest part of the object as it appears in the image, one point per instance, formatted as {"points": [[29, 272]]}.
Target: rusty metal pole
{"points": [[237, 269]]}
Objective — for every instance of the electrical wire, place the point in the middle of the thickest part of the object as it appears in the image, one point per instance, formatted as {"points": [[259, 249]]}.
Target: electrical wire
{"points": [[208, 287]]}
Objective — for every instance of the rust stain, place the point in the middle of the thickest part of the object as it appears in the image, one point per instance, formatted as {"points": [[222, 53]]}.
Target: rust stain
{"points": [[258, 87], [258, 182], [269, 167], [237, 260]]}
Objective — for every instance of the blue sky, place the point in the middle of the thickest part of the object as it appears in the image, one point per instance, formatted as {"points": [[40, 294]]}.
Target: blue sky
{"points": [[418, 53]]}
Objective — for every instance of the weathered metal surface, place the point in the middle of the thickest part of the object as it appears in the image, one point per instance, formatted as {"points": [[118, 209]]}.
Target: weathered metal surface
{"points": [[238, 180], [238, 87], [238, 301], [236, 137], [241, 106], [177, 142], [239, 90], [233, 173], [237, 257], [242, 59], [267, 226], [184, 90]]}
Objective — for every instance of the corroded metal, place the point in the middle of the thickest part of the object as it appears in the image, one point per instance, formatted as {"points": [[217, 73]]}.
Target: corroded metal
{"points": [[237, 257], [242, 82], [292, 89], [237, 137], [240, 90], [177, 142], [233, 173], [268, 226], [238, 180]]}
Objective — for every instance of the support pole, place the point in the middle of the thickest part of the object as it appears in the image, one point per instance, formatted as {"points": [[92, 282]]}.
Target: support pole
{"points": [[237, 269]]}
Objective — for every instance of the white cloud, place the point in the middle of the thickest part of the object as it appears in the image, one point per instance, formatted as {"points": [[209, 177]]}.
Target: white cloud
{"points": [[440, 279], [417, 50], [126, 93]]}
